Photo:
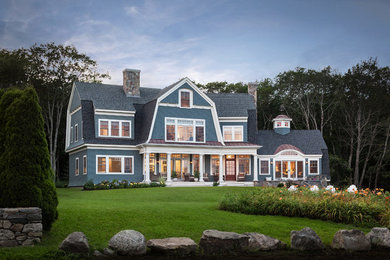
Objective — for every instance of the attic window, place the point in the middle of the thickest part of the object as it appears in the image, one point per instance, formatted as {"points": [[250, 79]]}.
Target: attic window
{"points": [[185, 98]]}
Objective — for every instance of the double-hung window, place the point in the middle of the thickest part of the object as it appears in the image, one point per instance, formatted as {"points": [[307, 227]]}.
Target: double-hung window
{"points": [[115, 164], [114, 128], [185, 98], [264, 167], [233, 133], [184, 130], [313, 167]]}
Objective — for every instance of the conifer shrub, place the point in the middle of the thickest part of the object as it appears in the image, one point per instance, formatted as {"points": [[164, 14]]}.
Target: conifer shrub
{"points": [[26, 175]]}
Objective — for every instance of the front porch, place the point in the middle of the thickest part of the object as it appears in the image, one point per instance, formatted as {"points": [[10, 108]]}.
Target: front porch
{"points": [[201, 169]]}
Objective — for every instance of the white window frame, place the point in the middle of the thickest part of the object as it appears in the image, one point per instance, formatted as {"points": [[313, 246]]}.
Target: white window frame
{"points": [[120, 128], [85, 166], [191, 98], [77, 166], [233, 132], [122, 164], [238, 164], [269, 166], [76, 133], [71, 134], [318, 166], [176, 127]]}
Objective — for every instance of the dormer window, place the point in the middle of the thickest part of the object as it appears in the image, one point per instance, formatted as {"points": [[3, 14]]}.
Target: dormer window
{"points": [[185, 98], [114, 128]]}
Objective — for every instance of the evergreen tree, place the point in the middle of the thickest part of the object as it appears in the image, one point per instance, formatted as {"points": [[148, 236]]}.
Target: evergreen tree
{"points": [[26, 178]]}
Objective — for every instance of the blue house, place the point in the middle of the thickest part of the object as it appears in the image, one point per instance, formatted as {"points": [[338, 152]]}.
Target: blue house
{"points": [[143, 134]]}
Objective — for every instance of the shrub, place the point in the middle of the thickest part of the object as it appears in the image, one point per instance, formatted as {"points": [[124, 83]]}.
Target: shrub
{"points": [[26, 176], [280, 185], [215, 184], [363, 208], [61, 184], [89, 185]]}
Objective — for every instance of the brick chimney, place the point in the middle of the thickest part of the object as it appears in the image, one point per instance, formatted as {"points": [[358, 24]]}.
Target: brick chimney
{"points": [[131, 82], [252, 90]]}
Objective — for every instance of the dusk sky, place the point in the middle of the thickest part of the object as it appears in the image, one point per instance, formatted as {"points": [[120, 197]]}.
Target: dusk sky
{"points": [[234, 41]]}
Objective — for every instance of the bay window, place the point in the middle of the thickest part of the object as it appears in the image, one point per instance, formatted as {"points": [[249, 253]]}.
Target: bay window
{"points": [[116, 164], [233, 133], [184, 130], [114, 128]]}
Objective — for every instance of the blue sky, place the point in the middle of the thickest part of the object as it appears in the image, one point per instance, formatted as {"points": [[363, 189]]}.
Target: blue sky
{"points": [[207, 41]]}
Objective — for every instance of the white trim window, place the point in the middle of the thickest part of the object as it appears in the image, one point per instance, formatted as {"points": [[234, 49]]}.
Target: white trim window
{"points": [[313, 167], [114, 128], [71, 134], [185, 130], [84, 164], [233, 133], [185, 98], [114, 164], [76, 132], [76, 166], [244, 164], [264, 167]]}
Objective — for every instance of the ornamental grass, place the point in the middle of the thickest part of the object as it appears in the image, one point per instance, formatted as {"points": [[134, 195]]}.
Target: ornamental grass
{"points": [[366, 208]]}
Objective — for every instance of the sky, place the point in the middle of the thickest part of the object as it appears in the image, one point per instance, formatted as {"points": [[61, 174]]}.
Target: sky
{"points": [[214, 40]]}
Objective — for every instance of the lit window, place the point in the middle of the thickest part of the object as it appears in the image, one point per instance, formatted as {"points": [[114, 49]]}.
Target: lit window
{"points": [[233, 133], [126, 129], [243, 164], [185, 130], [101, 164], [278, 124], [215, 165], [84, 164], [104, 128], [114, 128], [185, 97], [286, 124], [278, 169], [77, 167], [264, 169], [313, 167], [114, 164]]}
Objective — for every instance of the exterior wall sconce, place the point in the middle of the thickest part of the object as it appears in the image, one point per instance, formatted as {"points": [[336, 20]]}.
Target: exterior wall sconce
{"points": [[272, 162]]}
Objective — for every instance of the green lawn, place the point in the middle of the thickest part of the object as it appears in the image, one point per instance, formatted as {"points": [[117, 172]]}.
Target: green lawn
{"points": [[158, 213]]}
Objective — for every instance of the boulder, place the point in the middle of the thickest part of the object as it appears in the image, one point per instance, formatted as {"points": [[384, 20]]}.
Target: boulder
{"points": [[76, 243], [6, 234], [379, 237], [261, 242], [353, 240], [98, 255], [6, 224], [180, 246], [16, 227], [306, 239], [31, 241], [214, 242], [128, 242]]}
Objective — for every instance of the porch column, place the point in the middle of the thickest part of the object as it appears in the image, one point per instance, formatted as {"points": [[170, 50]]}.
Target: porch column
{"points": [[255, 171], [147, 170], [169, 167], [221, 170], [201, 168]]}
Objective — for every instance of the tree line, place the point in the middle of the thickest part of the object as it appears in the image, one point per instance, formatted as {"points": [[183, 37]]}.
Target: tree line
{"points": [[352, 111]]}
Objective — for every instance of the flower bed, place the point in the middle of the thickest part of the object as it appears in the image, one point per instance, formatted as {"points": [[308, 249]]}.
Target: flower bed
{"points": [[358, 207], [123, 184]]}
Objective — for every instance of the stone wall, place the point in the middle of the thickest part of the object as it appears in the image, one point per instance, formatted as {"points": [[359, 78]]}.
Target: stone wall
{"points": [[20, 226]]}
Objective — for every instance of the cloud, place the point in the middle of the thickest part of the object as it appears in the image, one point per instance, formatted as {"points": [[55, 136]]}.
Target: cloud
{"points": [[131, 10]]}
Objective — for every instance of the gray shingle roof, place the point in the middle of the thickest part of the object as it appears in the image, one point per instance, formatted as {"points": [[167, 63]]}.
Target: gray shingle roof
{"points": [[308, 141], [113, 97], [232, 104]]}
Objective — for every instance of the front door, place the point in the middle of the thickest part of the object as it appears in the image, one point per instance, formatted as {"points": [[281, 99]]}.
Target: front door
{"points": [[230, 169]]}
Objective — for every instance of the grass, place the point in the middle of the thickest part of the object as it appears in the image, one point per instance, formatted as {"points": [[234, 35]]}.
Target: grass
{"points": [[158, 213]]}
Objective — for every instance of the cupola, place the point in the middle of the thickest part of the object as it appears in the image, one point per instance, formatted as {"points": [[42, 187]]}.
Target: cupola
{"points": [[282, 124]]}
